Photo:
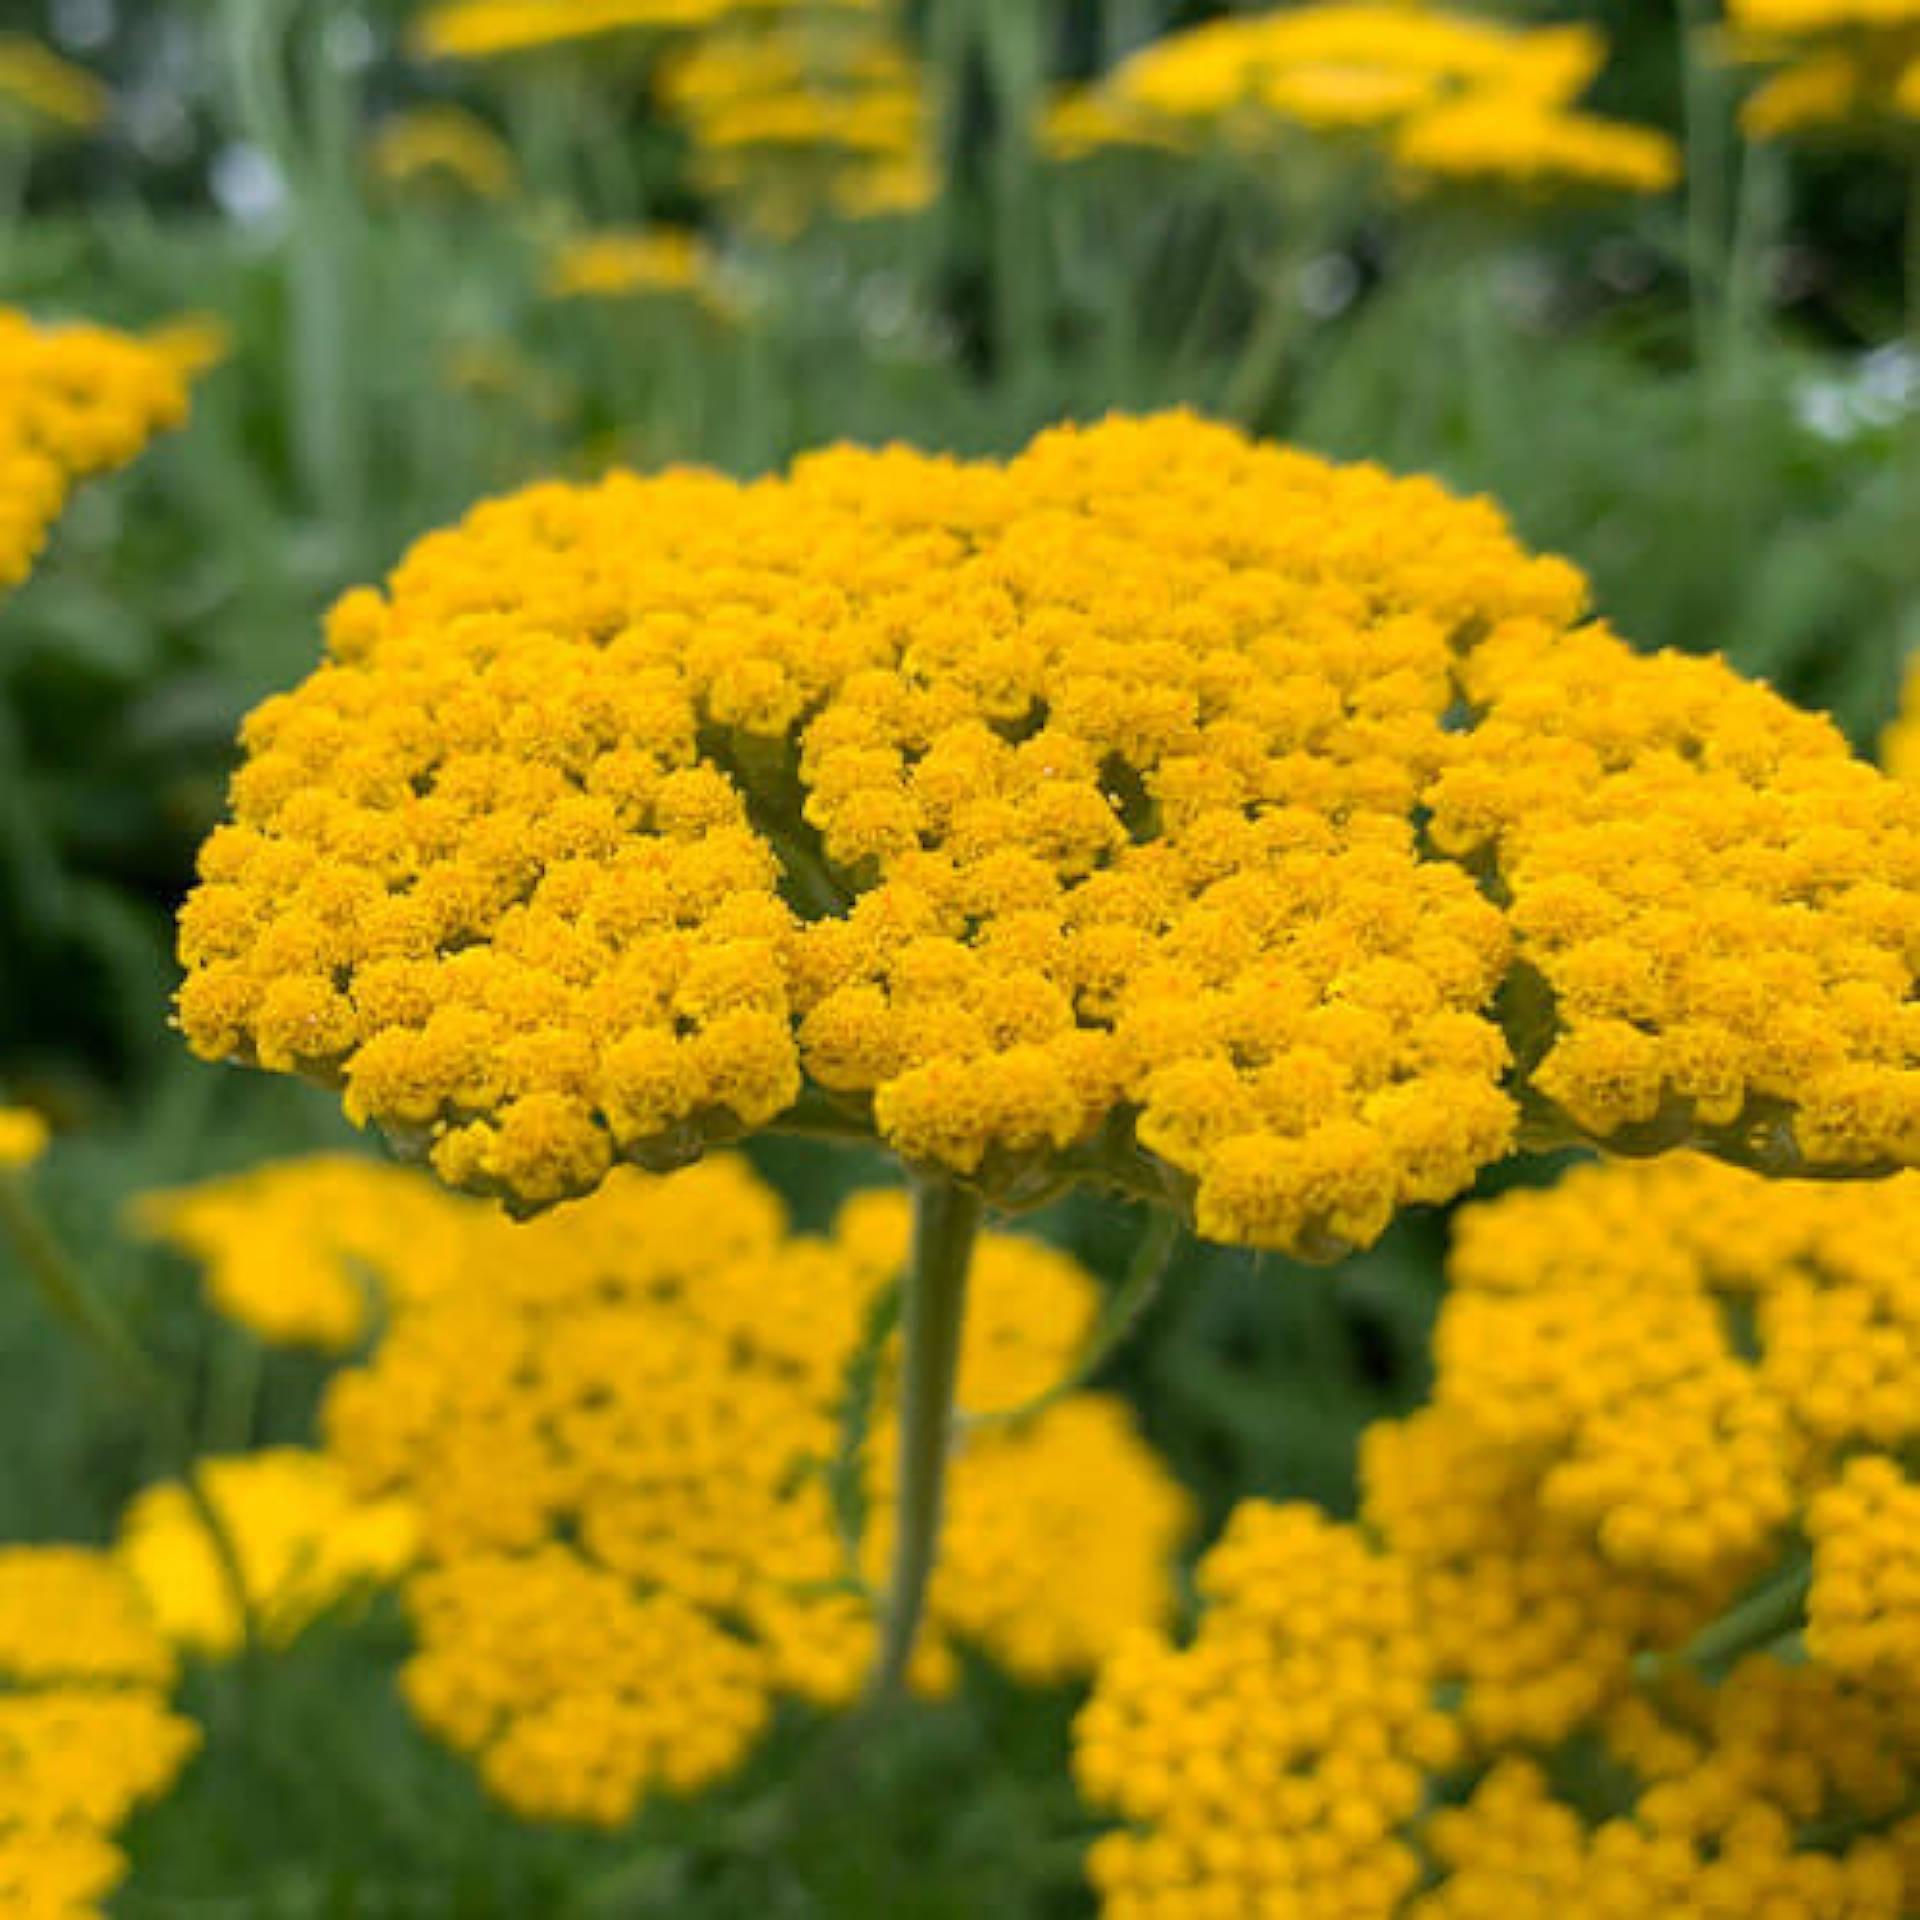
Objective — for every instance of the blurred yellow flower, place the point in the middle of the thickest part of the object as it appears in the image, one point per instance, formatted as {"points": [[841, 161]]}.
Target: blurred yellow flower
{"points": [[441, 147], [23, 1137], [1495, 139], [1052, 820], [86, 1734], [303, 1541], [624, 1428], [619, 261], [74, 401], [1845, 68], [48, 93]]}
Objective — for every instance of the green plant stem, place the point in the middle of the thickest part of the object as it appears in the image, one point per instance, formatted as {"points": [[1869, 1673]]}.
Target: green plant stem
{"points": [[1136, 1292], [1759, 1620], [946, 1224], [73, 1301]]}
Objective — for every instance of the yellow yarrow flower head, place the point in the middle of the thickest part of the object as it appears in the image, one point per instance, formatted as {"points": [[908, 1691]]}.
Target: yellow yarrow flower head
{"points": [[1900, 743], [792, 119], [619, 262], [1344, 67], [440, 149], [23, 1138], [86, 1734], [1841, 68], [74, 402], [1652, 1384], [646, 1515], [304, 1545], [45, 94], [304, 1252], [1099, 815], [1493, 139], [1729, 1780]]}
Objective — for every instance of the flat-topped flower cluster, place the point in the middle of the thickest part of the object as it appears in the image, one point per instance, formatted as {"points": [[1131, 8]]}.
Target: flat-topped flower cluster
{"points": [[647, 1443], [1630, 1623], [1158, 807]]}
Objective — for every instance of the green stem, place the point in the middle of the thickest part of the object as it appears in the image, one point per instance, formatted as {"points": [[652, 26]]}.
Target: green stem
{"points": [[72, 1300], [946, 1223], [1759, 1620], [1136, 1292]]}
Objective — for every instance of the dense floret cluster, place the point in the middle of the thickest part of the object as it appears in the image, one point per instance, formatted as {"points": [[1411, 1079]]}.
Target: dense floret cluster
{"points": [[302, 1541], [74, 402], [649, 1443], [1157, 808], [1653, 1385], [86, 1734], [617, 262]]}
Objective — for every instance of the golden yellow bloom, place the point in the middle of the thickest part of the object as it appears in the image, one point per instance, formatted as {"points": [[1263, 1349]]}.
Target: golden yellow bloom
{"points": [[1900, 744], [795, 119], [1084, 122], [621, 261], [68, 1614], [1060, 819], [1731, 1777], [303, 1541], [1348, 66], [299, 1250], [1269, 1766], [1493, 138], [1649, 1382], [1863, 1614], [48, 92], [74, 401], [623, 1432], [85, 1731], [1845, 67], [487, 29], [23, 1138], [442, 146]]}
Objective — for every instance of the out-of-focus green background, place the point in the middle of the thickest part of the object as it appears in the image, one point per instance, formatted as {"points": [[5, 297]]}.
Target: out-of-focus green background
{"points": [[1704, 399]]}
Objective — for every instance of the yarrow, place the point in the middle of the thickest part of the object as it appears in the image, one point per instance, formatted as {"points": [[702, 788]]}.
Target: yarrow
{"points": [[47, 93], [647, 1441], [492, 29], [303, 1542], [441, 148], [793, 119], [1654, 1385], [1158, 808], [86, 1734], [74, 401], [1456, 100], [1839, 67]]}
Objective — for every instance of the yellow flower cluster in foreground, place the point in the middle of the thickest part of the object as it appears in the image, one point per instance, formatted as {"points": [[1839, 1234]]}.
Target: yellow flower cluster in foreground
{"points": [[1158, 808], [645, 1511], [48, 92], [86, 1734], [794, 119], [303, 1541], [1648, 1382], [440, 147], [1459, 99], [74, 401]]}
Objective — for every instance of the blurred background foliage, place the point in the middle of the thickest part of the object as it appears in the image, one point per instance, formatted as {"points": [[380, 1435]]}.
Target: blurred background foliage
{"points": [[1702, 398]]}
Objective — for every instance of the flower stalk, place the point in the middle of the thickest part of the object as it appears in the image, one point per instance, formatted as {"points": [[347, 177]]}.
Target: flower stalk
{"points": [[946, 1224]]}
